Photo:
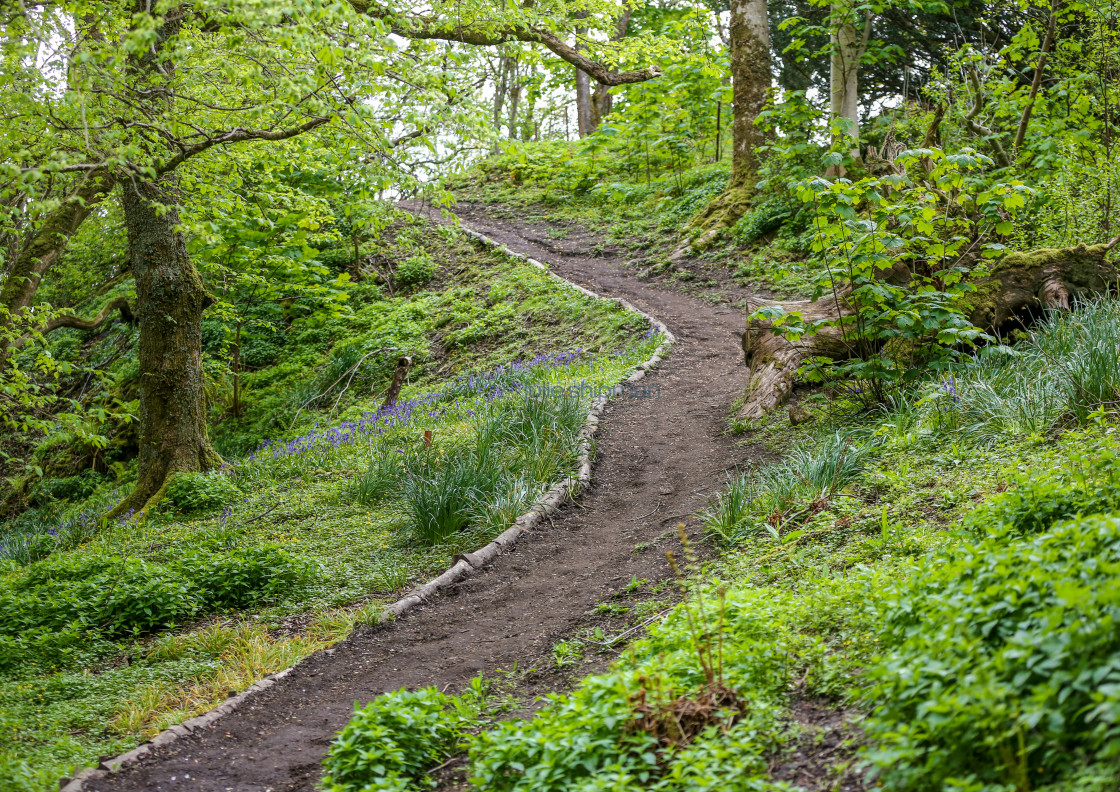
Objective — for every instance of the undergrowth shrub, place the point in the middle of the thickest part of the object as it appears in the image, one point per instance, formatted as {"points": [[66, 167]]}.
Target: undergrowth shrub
{"points": [[1036, 501], [201, 492], [415, 271], [381, 479], [37, 533], [766, 217], [696, 705], [1065, 371], [244, 576], [441, 499], [392, 742], [778, 498], [65, 601], [1002, 663], [521, 445]]}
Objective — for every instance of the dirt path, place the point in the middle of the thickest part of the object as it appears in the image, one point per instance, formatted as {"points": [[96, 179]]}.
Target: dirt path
{"points": [[660, 455]]}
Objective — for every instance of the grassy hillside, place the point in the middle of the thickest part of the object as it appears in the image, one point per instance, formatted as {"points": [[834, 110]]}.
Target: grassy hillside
{"points": [[326, 509], [916, 597]]}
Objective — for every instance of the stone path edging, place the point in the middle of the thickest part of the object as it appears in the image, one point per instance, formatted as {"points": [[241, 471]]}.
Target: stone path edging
{"points": [[466, 564]]}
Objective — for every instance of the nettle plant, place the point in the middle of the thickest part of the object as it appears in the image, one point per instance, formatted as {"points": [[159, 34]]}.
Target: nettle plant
{"points": [[901, 251]]}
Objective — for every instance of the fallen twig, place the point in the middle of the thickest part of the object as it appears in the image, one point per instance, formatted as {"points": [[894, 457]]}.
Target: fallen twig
{"points": [[655, 511]]}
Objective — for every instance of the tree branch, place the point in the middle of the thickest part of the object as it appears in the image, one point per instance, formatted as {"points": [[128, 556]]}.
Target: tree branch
{"points": [[419, 27], [115, 304], [976, 127], [237, 135], [1047, 42]]}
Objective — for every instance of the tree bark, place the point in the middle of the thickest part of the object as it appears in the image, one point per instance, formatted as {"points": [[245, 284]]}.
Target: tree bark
{"points": [[750, 79], [49, 241], [848, 45], [514, 98], [170, 299], [1019, 286], [601, 99], [583, 92], [749, 31]]}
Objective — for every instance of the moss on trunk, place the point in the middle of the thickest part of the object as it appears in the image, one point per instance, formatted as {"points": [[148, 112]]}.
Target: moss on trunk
{"points": [[170, 299], [49, 240]]}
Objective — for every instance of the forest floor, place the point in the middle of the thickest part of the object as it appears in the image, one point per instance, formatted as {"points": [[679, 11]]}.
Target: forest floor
{"points": [[657, 462]]}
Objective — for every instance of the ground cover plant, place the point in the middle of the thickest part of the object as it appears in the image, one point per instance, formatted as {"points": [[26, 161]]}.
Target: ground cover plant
{"points": [[949, 589]]}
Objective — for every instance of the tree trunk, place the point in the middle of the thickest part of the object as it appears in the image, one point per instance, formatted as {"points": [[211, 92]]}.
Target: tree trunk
{"points": [[583, 93], [49, 241], [1019, 286], [601, 103], [750, 78], [848, 46], [501, 87], [601, 100], [170, 299], [750, 84], [514, 98]]}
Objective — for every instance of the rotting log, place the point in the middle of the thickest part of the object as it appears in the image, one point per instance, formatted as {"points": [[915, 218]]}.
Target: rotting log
{"points": [[1018, 288]]}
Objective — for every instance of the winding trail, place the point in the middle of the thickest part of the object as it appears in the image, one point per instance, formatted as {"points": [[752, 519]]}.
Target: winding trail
{"points": [[662, 455]]}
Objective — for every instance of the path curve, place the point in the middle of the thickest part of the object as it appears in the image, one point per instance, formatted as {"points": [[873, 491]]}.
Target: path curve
{"points": [[663, 453]]}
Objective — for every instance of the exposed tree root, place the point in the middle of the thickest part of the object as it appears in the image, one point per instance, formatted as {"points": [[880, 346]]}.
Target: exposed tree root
{"points": [[1019, 287], [711, 221]]}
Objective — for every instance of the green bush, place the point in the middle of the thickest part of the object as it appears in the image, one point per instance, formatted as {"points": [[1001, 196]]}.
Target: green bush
{"points": [[245, 576], [201, 492], [1037, 501], [59, 603], [768, 216], [415, 271], [392, 742], [1002, 663]]}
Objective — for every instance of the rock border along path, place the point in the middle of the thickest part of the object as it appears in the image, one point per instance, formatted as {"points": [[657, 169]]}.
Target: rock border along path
{"points": [[567, 571]]}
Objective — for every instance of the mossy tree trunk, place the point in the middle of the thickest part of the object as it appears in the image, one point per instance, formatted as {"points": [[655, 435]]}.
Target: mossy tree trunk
{"points": [[750, 84], [49, 241], [170, 299], [1019, 287]]}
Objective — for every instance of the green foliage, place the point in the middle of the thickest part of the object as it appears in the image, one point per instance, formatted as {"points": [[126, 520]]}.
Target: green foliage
{"points": [[1001, 661], [56, 604], [1064, 370], [381, 479], [392, 742], [245, 576], [778, 499], [905, 256], [199, 492], [522, 444], [1035, 502], [415, 271], [764, 218], [441, 498]]}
